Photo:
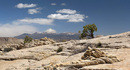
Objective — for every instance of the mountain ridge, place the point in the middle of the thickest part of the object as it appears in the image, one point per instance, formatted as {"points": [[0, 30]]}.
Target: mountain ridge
{"points": [[55, 36]]}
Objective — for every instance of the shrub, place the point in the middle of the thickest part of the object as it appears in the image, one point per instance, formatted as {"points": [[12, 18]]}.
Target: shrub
{"points": [[59, 49], [7, 49], [19, 47], [54, 68], [110, 37], [27, 39], [63, 40], [28, 69], [99, 45]]}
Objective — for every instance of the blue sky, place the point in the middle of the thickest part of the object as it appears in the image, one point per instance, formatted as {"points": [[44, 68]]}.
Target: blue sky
{"points": [[28, 16]]}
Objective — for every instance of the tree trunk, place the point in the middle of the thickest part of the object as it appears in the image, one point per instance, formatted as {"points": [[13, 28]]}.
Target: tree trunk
{"points": [[92, 35]]}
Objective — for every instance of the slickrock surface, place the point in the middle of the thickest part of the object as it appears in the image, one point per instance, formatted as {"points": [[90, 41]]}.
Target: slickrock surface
{"points": [[23, 64], [113, 54], [111, 41], [35, 53]]}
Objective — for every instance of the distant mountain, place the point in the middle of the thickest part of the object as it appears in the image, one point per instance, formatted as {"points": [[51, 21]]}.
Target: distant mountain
{"points": [[55, 36]]}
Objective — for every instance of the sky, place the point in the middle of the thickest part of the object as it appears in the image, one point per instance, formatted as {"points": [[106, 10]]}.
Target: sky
{"points": [[58, 16]]}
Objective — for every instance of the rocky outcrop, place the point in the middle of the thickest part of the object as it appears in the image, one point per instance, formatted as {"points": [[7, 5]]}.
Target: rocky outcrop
{"points": [[96, 54], [93, 54], [39, 42], [93, 57]]}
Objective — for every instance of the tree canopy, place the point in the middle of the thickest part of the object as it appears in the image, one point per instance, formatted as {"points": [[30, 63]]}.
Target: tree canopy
{"points": [[88, 30]]}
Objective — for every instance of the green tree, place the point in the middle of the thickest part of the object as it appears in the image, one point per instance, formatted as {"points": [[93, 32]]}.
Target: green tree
{"points": [[27, 39], [88, 30]]}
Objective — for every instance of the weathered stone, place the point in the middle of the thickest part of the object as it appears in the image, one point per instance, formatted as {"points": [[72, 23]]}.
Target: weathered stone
{"points": [[100, 61], [107, 60], [93, 53]]}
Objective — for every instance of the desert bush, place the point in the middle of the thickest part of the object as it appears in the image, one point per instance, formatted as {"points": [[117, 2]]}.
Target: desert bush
{"points": [[63, 40], [54, 68], [27, 39], [59, 49], [20, 47], [99, 45], [7, 49], [110, 37], [28, 69]]}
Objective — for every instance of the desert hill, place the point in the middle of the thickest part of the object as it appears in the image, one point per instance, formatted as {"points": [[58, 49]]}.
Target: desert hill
{"points": [[9, 40]]}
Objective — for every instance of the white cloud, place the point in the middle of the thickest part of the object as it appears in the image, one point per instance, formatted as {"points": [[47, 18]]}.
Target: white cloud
{"points": [[57, 16], [50, 30], [67, 11], [63, 4], [41, 21], [33, 11], [10, 30], [68, 14], [21, 5], [75, 20], [70, 18], [53, 3]]}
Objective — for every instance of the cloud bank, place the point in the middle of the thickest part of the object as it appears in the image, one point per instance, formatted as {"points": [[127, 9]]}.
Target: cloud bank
{"points": [[10, 30], [21, 26], [40, 21]]}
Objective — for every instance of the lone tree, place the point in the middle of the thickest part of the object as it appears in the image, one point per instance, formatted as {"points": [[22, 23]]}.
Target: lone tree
{"points": [[27, 39], [88, 30]]}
